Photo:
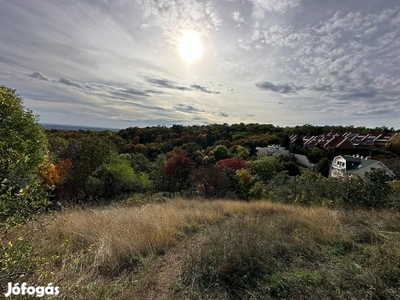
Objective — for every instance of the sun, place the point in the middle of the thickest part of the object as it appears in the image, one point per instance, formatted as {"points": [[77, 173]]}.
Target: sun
{"points": [[190, 46]]}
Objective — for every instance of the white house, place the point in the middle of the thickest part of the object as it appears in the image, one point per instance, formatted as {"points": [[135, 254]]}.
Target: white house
{"points": [[346, 165], [274, 150]]}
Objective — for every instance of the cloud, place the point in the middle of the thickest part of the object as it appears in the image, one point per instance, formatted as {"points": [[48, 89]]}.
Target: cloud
{"points": [[128, 92], [70, 82], [277, 88], [373, 112], [237, 17], [119, 60], [223, 114], [186, 108], [169, 84], [367, 93], [260, 7], [116, 90], [204, 89], [39, 75]]}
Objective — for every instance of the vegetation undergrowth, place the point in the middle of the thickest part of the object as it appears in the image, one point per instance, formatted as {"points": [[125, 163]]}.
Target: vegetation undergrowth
{"points": [[257, 250], [305, 253]]}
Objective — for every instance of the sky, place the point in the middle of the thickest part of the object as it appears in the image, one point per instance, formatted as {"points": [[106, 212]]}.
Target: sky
{"points": [[119, 63]]}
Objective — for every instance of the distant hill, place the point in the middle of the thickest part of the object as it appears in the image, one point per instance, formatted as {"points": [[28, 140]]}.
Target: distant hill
{"points": [[75, 127]]}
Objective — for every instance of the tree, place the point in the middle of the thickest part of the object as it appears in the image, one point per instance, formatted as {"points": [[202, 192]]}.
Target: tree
{"points": [[221, 152], [232, 163], [157, 174], [245, 183], [394, 145], [23, 148], [323, 166], [210, 181], [240, 151], [291, 167], [87, 156], [316, 154], [177, 169], [117, 176], [265, 168]]}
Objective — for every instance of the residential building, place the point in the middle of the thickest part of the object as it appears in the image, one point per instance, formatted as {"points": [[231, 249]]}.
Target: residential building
{"points": [[347, 140], [347, 165], [272, 150]]}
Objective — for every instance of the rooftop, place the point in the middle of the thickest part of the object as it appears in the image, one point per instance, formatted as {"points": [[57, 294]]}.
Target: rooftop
{"points": [[354, 164]]}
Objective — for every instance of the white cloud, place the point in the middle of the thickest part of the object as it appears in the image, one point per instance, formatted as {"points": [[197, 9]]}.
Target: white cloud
{"points": [[88, 58], [260, 7]]}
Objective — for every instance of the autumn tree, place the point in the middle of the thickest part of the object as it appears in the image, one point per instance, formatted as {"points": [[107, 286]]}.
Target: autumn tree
{"points": [[232, 163], [210, 181], [177, 169]]}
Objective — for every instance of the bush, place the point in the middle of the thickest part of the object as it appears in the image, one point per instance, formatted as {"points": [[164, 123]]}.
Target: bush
{"points": [[376, 189], [394, 197], [22, 150]]}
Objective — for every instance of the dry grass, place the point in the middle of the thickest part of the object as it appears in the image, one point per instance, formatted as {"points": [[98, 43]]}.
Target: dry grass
{"points": [[117, 234], [304, 253], [100, 253]]}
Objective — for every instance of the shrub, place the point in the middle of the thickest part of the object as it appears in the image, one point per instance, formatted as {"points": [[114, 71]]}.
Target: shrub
{"points": [[22, 150]]}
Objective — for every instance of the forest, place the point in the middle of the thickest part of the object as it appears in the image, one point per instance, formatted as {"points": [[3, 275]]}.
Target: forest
{"points": [[82, 167]]}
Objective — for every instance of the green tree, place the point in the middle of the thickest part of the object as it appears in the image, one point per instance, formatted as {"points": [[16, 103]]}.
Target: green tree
{"points": [[117, 176], [88, 155], [323, 166], [245, 181], [23, 148], [265, 168], [221, 152], [316, 154], [157, 174]]}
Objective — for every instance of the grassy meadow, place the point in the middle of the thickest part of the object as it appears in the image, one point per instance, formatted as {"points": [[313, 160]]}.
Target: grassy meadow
{"points": [[196, 249]]}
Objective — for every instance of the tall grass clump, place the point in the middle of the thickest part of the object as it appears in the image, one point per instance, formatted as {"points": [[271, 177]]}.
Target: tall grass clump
{"points": [[253, 250], [308, 253], [117, 238]]}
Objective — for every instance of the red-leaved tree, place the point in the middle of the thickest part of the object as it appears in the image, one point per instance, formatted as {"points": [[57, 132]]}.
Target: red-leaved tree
{"points": [[232, 163], [177, 170]]}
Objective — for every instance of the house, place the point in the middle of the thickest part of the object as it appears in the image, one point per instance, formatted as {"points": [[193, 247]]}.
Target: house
{"points": [[347, 140], [274, 150], [330, 140], [347, 165], [383, 139]]}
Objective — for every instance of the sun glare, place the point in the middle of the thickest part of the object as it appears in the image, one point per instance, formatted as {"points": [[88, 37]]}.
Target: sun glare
{"points": [[190, 46]]}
